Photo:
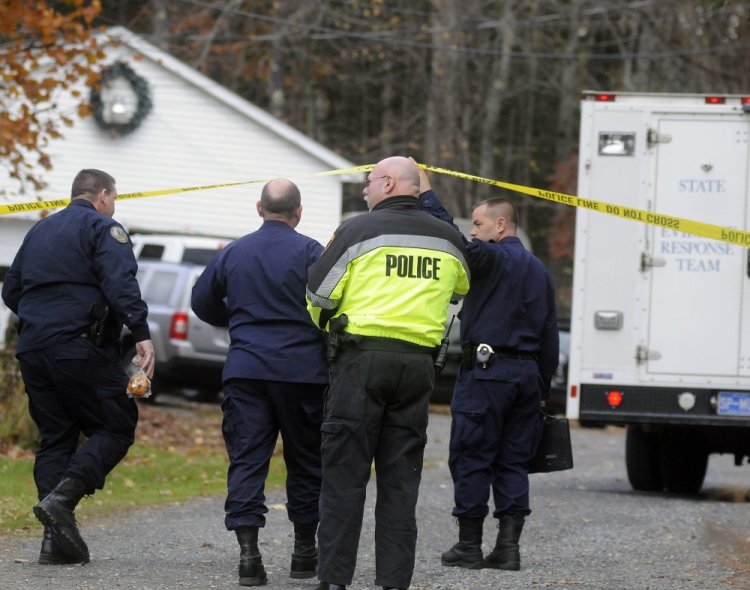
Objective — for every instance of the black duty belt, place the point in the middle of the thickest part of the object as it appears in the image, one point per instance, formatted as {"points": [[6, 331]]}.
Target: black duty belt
{"points": [[383, 344], [469, 350]]}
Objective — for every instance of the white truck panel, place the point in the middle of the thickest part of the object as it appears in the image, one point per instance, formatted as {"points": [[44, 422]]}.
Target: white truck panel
{"points": [[682, 300]]}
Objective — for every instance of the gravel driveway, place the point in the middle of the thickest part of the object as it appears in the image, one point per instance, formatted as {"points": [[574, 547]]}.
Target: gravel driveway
{"points": [[589, 530]]}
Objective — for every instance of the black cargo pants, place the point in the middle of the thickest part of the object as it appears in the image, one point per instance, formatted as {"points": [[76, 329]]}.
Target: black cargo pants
{"points": [[78, 388], [255, 412], [377, 408]]}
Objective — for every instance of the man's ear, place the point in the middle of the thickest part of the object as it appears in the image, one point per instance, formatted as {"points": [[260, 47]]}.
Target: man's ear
{"points": [[99, 203], [297, 216], [259, 208], [500, 225]]}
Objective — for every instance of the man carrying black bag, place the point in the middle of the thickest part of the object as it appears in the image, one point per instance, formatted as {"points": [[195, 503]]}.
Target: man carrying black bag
{"points": [[510, 342]]}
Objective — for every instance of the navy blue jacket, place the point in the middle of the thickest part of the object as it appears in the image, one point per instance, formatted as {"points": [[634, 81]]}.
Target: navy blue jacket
{"points": [[256, 286], [67, 262], [511, 300]]}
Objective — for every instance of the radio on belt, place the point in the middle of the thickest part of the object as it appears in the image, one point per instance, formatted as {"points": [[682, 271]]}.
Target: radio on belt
{"points": [[484, 355]]}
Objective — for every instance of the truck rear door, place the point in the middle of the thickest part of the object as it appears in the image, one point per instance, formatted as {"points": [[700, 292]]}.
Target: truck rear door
{"points": [[699, 289]]}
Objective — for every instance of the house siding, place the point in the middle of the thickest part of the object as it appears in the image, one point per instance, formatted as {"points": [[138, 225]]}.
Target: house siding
{"points": [[196, 134]]}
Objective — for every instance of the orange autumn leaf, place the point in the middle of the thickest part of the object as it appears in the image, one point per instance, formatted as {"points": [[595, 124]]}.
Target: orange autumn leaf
{"points": [[47, 47]]}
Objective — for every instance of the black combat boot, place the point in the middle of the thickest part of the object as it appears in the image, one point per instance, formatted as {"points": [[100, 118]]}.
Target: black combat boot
{"points": [[305, 555], [55, 511], [51, 554], [327, 586], [252, 572], [468, 551], [506, 555]]}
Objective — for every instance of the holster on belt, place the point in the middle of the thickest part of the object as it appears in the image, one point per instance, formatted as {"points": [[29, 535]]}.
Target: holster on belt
{"points": [[481, 354], [335, 330], [98, 330]]}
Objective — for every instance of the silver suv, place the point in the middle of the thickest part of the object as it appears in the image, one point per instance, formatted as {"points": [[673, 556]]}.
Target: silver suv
{"points": [[190, 353]]}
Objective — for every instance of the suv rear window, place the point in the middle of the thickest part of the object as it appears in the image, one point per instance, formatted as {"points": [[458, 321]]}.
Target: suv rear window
{"points": [[200, 256], [160, 287], [152, 252]]}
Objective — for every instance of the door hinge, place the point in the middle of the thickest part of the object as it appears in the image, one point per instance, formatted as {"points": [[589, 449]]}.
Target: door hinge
{"points": [[643, 354], [648, 261], [653, 137]]}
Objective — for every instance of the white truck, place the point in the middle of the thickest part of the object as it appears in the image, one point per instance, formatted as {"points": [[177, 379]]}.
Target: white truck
{"points": [[660, 328]]}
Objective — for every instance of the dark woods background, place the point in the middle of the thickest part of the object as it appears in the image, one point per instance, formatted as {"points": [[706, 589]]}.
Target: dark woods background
{"points": [[485, 87]]}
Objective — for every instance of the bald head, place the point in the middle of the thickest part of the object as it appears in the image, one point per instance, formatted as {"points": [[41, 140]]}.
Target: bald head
{"points": [[280, 200], [391, 177]]}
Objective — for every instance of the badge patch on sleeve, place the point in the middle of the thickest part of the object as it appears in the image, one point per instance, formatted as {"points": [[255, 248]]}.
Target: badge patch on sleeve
{"points": [[118, 234]]}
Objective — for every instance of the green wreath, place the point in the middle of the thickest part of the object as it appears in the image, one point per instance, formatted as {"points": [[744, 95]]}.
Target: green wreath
{"points": [[142, 92]]}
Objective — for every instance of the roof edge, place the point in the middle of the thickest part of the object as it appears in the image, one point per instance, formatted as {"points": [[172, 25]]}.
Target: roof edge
{"points": [[228, 97]]}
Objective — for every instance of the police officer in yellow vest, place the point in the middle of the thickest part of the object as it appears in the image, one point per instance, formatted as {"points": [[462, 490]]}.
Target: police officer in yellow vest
{"points": [[383, 284]]}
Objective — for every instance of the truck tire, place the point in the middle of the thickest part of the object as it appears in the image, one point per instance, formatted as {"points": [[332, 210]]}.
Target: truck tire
{"points": [[643, 459], [684, 461]]}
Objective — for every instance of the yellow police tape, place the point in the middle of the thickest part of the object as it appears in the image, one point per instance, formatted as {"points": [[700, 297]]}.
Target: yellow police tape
{"points": [[706, 230], [698, 228], [58, 203]]}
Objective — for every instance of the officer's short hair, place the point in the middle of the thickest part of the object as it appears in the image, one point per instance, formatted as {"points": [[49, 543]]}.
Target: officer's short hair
{"points": [[281, 198], [89, 182], [497, 203]]}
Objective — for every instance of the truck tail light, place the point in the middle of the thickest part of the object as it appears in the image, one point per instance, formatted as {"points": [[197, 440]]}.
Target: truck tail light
{"points": [[604, 97], [573, 391], [716, 100], [614, 398], [178, 329]]}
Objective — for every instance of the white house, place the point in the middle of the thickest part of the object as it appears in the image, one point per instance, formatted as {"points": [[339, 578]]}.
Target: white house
{"points": [[197, 133]]}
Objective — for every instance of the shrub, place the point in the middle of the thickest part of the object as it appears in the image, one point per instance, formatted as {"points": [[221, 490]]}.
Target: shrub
{"points": [[16, 426]]}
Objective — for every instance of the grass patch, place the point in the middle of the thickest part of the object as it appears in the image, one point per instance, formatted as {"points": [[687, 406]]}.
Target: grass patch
{"points": [[178, 455]]}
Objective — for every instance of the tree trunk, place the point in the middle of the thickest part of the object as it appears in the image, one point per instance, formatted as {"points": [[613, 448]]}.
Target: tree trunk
{"points": [[569, 88], [160, 24], [496, 91]]}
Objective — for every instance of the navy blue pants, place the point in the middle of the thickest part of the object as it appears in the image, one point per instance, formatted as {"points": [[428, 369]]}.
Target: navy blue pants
{"points": [[377, 408], [78, 388], [255, 411], [495, 431]]}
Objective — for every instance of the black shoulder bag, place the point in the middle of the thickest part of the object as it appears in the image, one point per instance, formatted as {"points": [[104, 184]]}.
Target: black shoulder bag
{"points": [[554, 452]]}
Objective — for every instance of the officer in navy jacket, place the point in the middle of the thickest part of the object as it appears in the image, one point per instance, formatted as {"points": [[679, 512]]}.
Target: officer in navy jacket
{"points": [[73, 286], [274, 377], [510, 342]]}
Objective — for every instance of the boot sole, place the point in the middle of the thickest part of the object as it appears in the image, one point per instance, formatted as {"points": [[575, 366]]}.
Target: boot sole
{"points": [[302, 575], [58, 561], [512, 567], [463, 564], [254, 581], [74, 547]]}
